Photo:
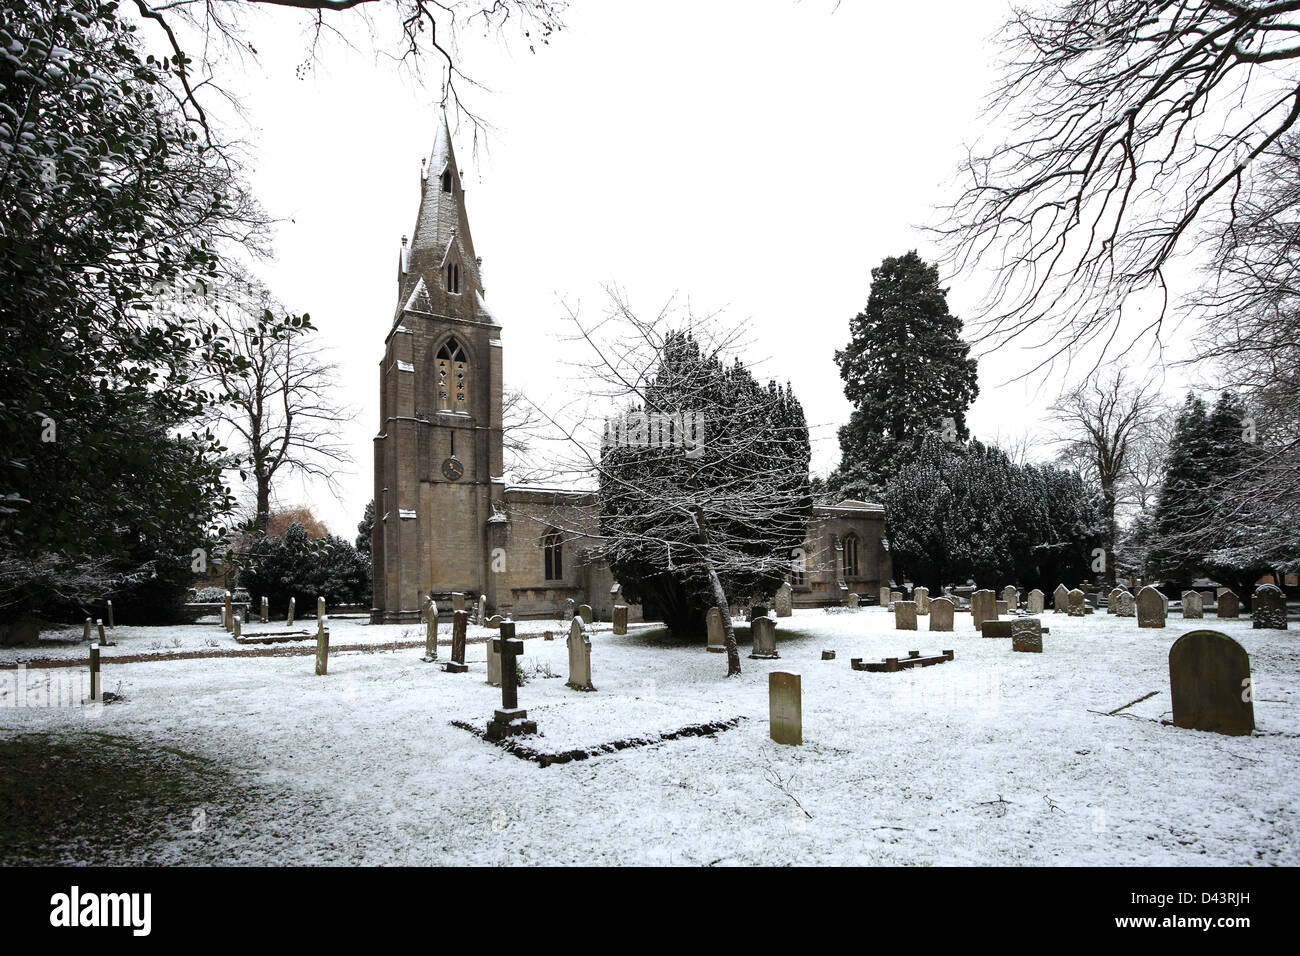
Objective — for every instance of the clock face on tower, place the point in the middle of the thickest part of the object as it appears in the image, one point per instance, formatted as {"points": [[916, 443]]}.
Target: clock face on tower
{"points": [[452, 469]]}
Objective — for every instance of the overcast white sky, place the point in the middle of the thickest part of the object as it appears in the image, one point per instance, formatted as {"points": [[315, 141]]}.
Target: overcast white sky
{"points": [[759, 158]]}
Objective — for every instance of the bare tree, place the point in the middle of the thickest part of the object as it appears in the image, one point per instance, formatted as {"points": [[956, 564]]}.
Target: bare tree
{"points": [[1134, 126], [1102, 423], [280, 406]]}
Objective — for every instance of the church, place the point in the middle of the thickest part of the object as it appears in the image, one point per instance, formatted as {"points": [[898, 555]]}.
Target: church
{"points": [[445, 519]]}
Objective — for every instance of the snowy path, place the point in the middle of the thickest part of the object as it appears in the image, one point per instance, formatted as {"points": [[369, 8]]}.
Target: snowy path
{"points": [[905, 768]]}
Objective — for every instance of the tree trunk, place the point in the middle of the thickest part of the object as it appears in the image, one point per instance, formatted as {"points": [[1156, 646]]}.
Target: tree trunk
{"points": [[719, 597], [263, 503]]}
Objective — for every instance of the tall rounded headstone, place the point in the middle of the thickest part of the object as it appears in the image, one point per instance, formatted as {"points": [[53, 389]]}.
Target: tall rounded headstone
{"points": [[1228, 605], [1150, 607], [1268, 608], [1192, 609], [941, 610], [1209, 681]]}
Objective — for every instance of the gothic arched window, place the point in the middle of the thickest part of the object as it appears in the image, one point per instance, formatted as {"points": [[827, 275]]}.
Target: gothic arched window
{"points": [[453, 277], [453, 377], [446, 180], [553, 556], [851, 556]]}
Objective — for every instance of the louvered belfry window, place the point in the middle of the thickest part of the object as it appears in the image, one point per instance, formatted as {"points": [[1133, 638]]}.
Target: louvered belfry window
{"points": [[453, 378]]}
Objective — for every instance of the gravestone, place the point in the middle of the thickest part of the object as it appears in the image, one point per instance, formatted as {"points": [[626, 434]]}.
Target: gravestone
{"points": [[266, 609], [322, 646], [717, 634], [1027, 635], [579, 657], [854, 600], [1229, 605], [884, 597], [1060, 599], [458, 601], [763, 632], [616, 594], [96, 683], [895, 596], [493, 660], [109, 606], [995, 628], [85, 631], [227, 618], [1011, 596], [239, 628], [620, 618], [1150, 607], [905, 615], [941, 610], [570, 608], [1075, 603], [1035, 601], [320, 608], [293, 601], [509, 720], [922, 598], [784, 601], [1124, 606], [482, 608], [1192, 605], [785, 708], [1209, 681], [1112, 600], [983, 607], [828, 655], [1207, 598], [1268, 608], [1001, 607], [431, 632], [584, 612], [494, 622], [459, 624]]}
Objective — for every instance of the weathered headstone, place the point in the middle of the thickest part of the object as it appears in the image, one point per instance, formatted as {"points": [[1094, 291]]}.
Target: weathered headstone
{"points": [[620, 618], [784, 601], [322, 646], [570, 608], [854, 600], [1061, 599], [1268, 608], [922, 597], [85, 631], [458, 601], [494, 662], [431, 631], [983, 607], [828, 655], [941, 610], [895, 596], [905, 615], [1027, 635], [1207, 599], [884, 597], [494, 622], [785, 708], [227, 618], [1112, 600], [99, 627], [763, 632], [459, 625], [266, 609], [292, 602], [109, 605], [1035, 601], [1192, 605], [585, 612], [1075, 603], [238, 632], [1001, 607], [1124, 605], [96, 684], [1150, 607], [995, 628], [1011, 596], [717, 634], [482, 608], [320, 607], [1228, 605], [579, 657], [1209, 681]]}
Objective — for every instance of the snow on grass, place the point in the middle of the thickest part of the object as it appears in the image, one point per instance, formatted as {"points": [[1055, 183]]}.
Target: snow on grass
{"points": [[993, 758]]}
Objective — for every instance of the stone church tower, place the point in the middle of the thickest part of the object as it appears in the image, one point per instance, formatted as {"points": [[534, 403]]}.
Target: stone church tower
{"points": [[438, 454]]}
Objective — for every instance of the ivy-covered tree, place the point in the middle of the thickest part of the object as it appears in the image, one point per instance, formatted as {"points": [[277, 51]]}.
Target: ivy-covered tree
{"points": [[907, 372], [692, 526]]}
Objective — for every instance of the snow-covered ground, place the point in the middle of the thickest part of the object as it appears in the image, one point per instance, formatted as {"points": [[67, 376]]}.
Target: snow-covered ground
{"points": [[995, 757]]}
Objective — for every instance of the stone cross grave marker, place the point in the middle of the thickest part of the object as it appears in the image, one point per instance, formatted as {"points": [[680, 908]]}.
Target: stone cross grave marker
{"points": [[1209, 681], [763, 631], [1150, 608], [1268, 608], [1027, 635], [620, 618], [784, 600], [785, 708], [579, 657], [941, 611], [459, 625], [905, 615], [509, 720], [1035, 601], [1192, 605], [1228, 605]]}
